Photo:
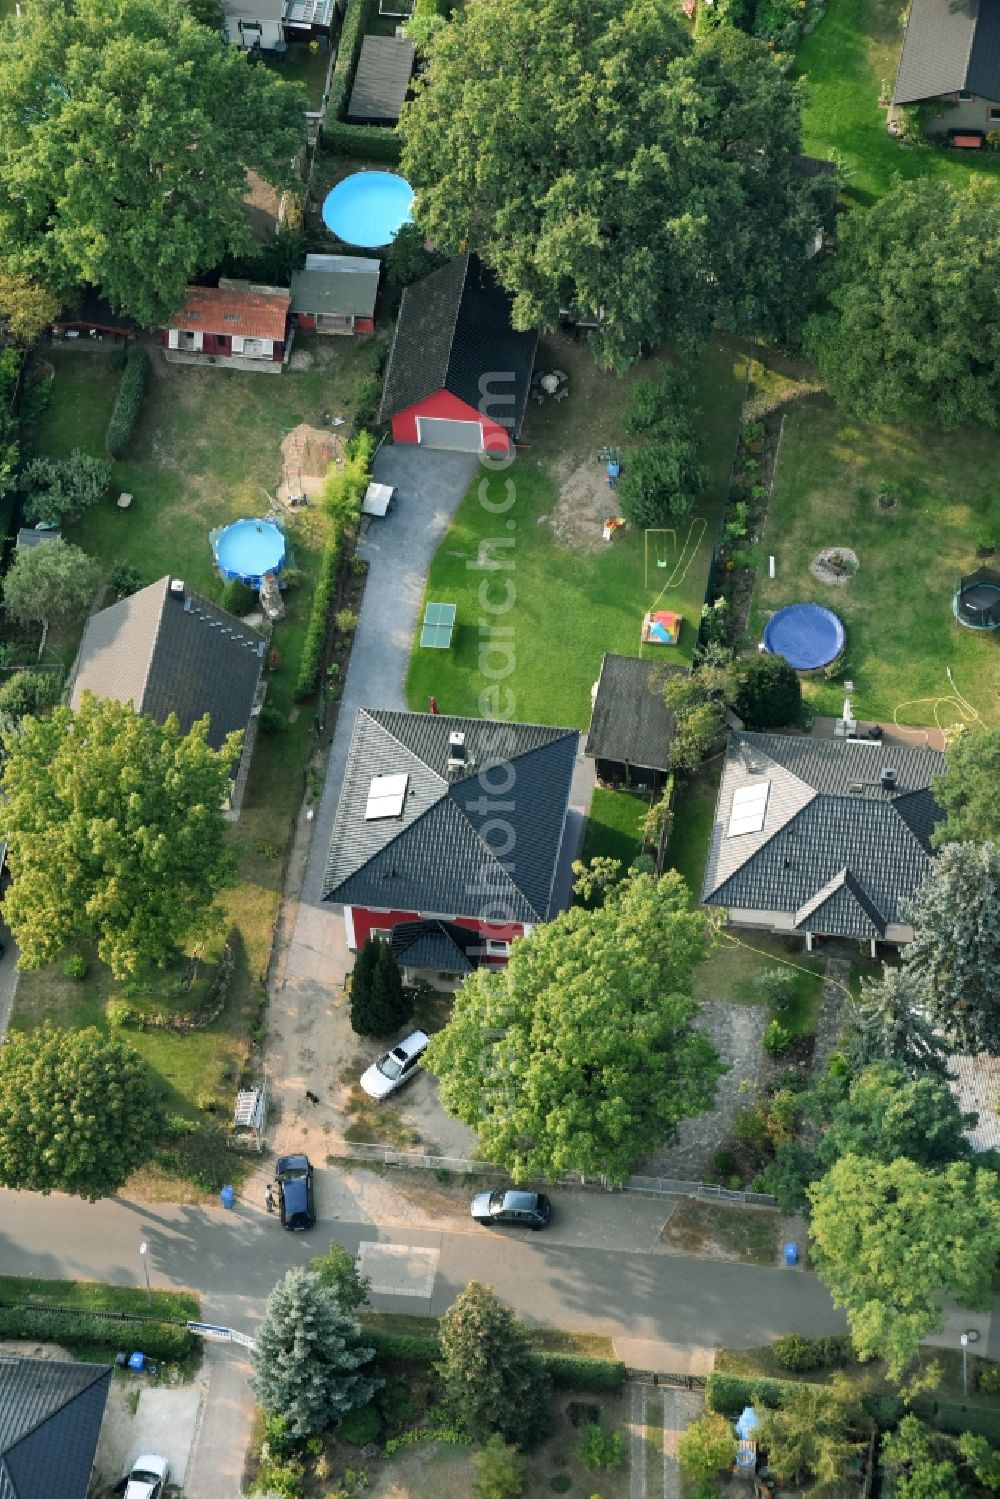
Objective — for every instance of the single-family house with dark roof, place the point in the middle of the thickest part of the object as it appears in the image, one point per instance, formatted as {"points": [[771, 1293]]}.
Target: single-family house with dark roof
{"points": [[822, 837], [381, 80], [167, 650], [50, 1421], [336, 293], [951, 53], [631, 727], [459, 373], [235, 324], [449, 828]]}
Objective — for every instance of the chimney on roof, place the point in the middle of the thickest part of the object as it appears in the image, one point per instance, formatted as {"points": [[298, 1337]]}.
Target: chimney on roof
{"points": [[888, 778], [176, 589], [456, 751]]}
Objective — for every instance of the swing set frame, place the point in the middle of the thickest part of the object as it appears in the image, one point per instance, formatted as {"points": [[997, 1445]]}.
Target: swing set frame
{"points": [[656, 532]]}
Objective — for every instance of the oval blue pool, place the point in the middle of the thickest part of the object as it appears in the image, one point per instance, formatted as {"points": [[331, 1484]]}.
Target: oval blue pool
{"points": [[368, 209], [248, 549], [807, 635]]}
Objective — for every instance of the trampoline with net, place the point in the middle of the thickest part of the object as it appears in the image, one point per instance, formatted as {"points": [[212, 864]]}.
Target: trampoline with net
{"points": [[809, 636], [977, 600]]}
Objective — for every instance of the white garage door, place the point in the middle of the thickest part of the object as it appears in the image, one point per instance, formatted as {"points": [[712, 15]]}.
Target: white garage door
{"points": [[460, 437]]}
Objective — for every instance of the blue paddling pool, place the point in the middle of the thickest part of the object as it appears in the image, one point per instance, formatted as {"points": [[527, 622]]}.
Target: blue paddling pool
{"points": [[248, 549], [368, 209], [807, 635]]}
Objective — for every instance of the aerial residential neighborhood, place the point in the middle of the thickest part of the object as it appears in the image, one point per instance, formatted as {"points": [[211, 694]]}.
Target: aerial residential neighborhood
{"points": [[499, 821]]}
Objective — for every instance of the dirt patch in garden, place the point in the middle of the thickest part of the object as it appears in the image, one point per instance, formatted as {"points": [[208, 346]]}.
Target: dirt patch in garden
{"points": [[836, 565], [306, 455], [717, 1231], [584, 503]]}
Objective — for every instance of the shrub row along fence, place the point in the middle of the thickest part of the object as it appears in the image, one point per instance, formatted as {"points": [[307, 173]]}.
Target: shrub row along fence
{"points": [[649, 1186], [372, 142], [568, 1371], [159, 1339], [128, 403]]}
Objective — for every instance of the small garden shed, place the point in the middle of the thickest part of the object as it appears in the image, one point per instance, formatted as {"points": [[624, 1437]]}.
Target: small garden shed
{"points": [[381, 80], [336, 293], [631, 727]]}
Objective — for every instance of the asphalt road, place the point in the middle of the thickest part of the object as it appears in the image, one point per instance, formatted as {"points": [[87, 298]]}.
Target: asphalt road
{"points": [[234, 1258]]}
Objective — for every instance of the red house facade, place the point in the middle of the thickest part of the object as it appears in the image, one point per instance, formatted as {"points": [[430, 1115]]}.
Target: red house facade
{"points": [[448, 835], [234, 324], [458, 374]]}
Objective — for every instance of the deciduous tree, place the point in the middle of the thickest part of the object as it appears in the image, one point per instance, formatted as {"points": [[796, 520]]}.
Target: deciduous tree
{"points": [[338, 1271], [892, 1239], [768, 692], [493, 1380], [48, 584], [706, 1445], [919, 1462], [818, 1431], [115, 833], [887, 1114], [911, 330], [597, 161], [126, 131], [582, 1054], [954, 957], [309, 1357], [26, 309], [61, 487], [968, 789], [77, 1112]]}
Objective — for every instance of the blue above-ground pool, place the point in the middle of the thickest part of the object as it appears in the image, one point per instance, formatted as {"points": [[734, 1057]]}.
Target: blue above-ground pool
{"points": [[807, 635], [248, 549], [368, 209]]}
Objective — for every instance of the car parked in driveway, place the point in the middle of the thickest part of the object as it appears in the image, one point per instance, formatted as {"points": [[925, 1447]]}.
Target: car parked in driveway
{"points": [[519, 1209], [296, 1202], [147, 1477], [393, 1068]]}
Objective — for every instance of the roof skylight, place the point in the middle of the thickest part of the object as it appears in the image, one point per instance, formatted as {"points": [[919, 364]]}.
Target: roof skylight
{"points": [[386, 796], [749, 808]]}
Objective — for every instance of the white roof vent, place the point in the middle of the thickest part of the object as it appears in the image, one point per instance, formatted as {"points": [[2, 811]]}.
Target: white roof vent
{"points": [[386, 797], [456, 750], [749, 807], [177, 588]]}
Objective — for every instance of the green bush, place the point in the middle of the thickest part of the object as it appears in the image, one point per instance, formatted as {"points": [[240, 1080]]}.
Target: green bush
{"points": [[988, 1379], [128, 404], [75, 967], [124, 579], [162, 1340], [272, 720], [776, 987], [885, 1410], [600, 1450], [798, 1353], [369, 142], [238, 597], [27, 692], [360, 1426], [315, 641], [403, 1348], [201, 1157], [599, 1376], [729, 1393], [777, 1038]]}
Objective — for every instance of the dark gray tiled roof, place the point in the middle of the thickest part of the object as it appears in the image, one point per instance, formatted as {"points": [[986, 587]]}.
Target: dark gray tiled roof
{"points": [[381, 79], [338, 284], [630, 721], [454, 328], [432, 944], [950, 45], [169, 654], [50, 1419], [836, 851], [446, 852]]}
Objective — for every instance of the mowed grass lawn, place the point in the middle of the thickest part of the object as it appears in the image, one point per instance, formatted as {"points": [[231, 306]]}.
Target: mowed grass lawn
{"points": [[901, 633], [614, 827], [844, 62], [205, 452], [569, 604]]}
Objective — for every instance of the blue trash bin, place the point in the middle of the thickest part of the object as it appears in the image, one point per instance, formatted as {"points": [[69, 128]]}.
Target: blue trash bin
{"points": [[227, 1196], [137, 1362], [791, 1254]]}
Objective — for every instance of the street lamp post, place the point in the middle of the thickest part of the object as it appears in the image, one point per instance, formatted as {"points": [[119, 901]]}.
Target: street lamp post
{"points": [[965, 1364], [144, 1252]]}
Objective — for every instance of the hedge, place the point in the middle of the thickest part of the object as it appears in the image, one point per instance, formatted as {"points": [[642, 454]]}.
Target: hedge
{"points": [[729, 1393], [404, 1348], [569, 1371], [128, 404], [351, 36], [315, 641], [157, 1339], [366, 142]]}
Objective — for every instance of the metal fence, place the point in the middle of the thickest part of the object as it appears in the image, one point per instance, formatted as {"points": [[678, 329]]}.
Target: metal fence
{"points": [[647, 1186]]}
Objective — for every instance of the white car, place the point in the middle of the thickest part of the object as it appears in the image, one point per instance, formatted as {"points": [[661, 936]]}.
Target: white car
{"points": [[148, 1477], [394, 1067]]}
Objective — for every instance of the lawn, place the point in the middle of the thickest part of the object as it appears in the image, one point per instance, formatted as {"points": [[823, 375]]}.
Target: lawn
{"points": [[902, 638], [91, 1296], [844, 63], [571, 603], [301, 64], [749, 1235], [693, 819], [614, 827], [206, 451], [739, 957]]}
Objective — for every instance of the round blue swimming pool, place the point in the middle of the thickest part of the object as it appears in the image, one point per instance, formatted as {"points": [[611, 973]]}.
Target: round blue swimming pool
{"points": [[807, 635], [368, 209], [248, 549]]}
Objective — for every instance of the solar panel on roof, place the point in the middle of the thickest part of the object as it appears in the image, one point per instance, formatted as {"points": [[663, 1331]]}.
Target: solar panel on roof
{"points": [[748, 809], [386, 795]]}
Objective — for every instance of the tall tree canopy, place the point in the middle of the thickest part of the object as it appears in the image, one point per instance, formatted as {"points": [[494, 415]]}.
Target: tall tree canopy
{"points": [[890, 1240], [115, 833], [890, 1023], [887, 1114], [126, 130], [76, 1112], [46, 584], [954, 957], [911, 331], [598, 161], [492, 1377], [968, 790], [581, 1054]]}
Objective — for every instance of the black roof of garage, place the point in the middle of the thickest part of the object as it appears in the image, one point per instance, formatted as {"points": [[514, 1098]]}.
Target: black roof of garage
{"points": [[381, 80]]}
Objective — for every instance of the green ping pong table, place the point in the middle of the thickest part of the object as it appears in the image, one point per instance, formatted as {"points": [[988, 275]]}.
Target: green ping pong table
{"points": [[439, 622]]}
